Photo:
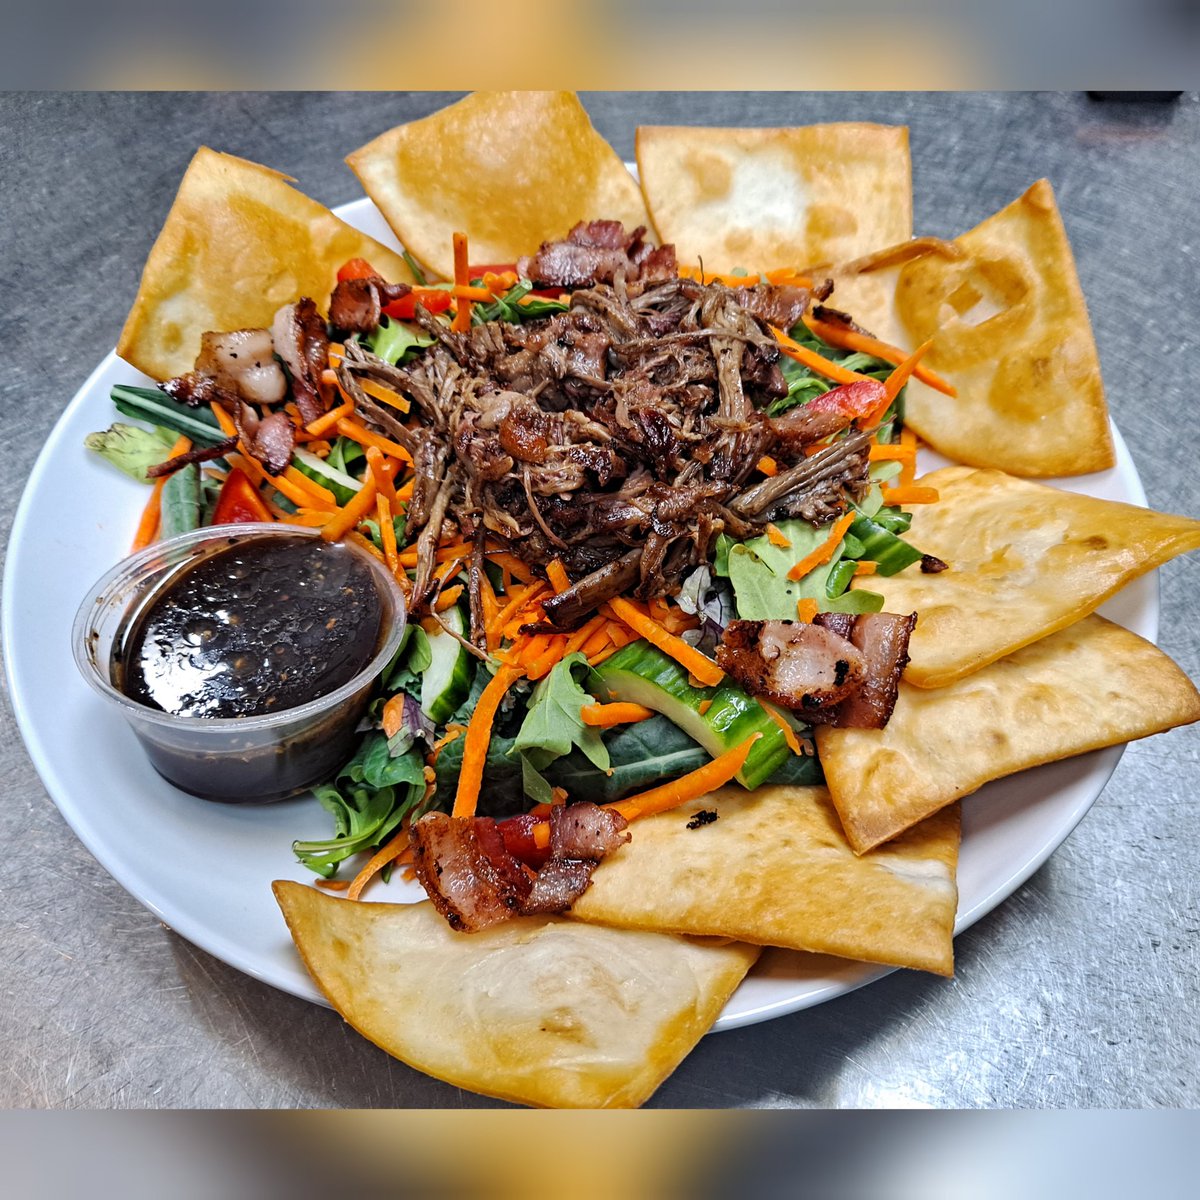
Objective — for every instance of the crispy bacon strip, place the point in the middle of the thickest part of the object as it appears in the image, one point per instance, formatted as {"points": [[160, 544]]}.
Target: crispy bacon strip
{"points": [[197, 454]]}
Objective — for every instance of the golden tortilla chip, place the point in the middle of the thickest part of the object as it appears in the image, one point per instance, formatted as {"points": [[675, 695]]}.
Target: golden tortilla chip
{"points": [[538, 1011], [1090, 685], [238, 243], [1010, 330], [776, 869], [1025, 560], [509, 169], [764, 198]]}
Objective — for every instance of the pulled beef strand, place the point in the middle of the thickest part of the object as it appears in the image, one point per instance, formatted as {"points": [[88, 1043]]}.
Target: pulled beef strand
{"points": [[197, 454], [475, 882]]}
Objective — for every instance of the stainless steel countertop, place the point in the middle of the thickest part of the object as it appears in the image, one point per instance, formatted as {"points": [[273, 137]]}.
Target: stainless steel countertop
{"points": [[1082, 990]]}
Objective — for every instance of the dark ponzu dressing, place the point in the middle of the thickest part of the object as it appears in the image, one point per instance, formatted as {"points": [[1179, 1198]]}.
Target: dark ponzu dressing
{"points": [[260, 627]]}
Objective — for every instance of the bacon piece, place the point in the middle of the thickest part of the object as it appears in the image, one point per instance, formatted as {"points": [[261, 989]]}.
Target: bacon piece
{"points": [[197, 454], [791, 663], [882, 638], [468, 868], [243, 362], [595, 252], [270, 439], [356, 304], [779, 305], [301, 341], [472, 880]]}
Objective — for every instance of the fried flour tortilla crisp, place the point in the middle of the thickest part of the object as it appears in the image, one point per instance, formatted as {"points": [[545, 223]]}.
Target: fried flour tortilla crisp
{"points": [[538, 1011], [1010, 330], [765, 198], [776, 869], [1090, 685], [238, 243], [1024, 560], [509, 169]]}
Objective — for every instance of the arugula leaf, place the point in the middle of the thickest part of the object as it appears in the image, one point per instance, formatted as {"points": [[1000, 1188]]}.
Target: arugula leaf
{"points": [[504, 794], [181, 501], [553, 724], [393, 339], [130, 448]]}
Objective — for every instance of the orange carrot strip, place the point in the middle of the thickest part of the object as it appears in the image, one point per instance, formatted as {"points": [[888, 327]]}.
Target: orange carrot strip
{"points": [[687, 787], [364, 543], [894, 382], [503, 559], [393, 715], [408, 558], [776, 538], [702, 667], [557, 574], [323, 424], [910, 495], [601, 655], [147, 528], [228, 428], [824, 552], [815, 361], [462, 278], [605, 715], [789, 276], [848, 339], [551, 656], [578, 639], [489, 604], [789, 734], [908, 472], [387, 532], [866, 567], [479, 734], [768, 466], [467, 292], [448, 597], [364, 437], [703, 706], [381, 475], [499, 284], [380, 859], [519, 599], [323, 496], [333, 885], [597, 640], [385, 395], [806, 609], [891, 452], [311, 519], [355, 509]]}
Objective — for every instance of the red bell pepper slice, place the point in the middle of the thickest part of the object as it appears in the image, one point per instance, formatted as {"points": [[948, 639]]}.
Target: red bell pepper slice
{"points": [[357, 268], [517, 833], [404, 309], [239, 501], [851, 400]]}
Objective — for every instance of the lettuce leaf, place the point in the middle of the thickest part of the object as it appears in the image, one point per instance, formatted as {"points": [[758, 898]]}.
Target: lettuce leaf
{"points": [[131, 448], [553, 725]]}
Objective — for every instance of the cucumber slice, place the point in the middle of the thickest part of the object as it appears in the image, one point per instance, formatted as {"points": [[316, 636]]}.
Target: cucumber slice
{"points": [[317, 469], [446, 682], [645, 675]]}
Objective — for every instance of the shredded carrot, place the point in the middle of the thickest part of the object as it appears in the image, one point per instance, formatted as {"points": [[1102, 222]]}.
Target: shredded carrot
{"points": [[320, 447], [789, 276], [462, 277], [824, 552], [228, 428], [408, 558], [814, 361], [364, 437], [448, 597], [806, 609], [894, 382], [479, 734], [768, 466], [381, 475], [498, 284], [776, 538], [866, 567], [890, 452], [393, 715], [849, 339], [519, 599], [581, 636], [387, 532], [467, 292], [355, 510], [557, 574], [364, 544], [703, 707], [552, 654], [380, 859], [908, 472], [717, 277], [452, 734], [687, 787], [322, 496], [605, 715], [598, 639], [333, 885], [512, 563], [702, 667], [385, 395], [489, 603], [910, 495], [147, 528], [599, 656], [789, 734], [323, 424], [310, 518]]}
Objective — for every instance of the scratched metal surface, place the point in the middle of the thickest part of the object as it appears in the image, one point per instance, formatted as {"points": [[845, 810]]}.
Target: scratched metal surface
{"points": [[1082, 990]]}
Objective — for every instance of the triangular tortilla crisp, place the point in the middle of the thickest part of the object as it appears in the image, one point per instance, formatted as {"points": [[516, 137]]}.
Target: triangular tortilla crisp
{"points": [[1090, 685], [238, 243], [509, 169], [775, 868], [1010, 331], [765, 198], [539, 1011], [1024, 560]]}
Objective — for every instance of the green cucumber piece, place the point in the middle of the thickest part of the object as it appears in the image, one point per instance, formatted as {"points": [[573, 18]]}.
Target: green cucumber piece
{"points": [[446, 682], [342, 486], [149, 404], [891, 553], [643, 674]]}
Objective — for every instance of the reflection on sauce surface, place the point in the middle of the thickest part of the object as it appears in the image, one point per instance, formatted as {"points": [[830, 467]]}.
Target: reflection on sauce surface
{"points": [[260, 627]]}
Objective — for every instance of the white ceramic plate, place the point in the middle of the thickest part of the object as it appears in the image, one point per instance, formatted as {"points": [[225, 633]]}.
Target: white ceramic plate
{"points": [[205, 869]]}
